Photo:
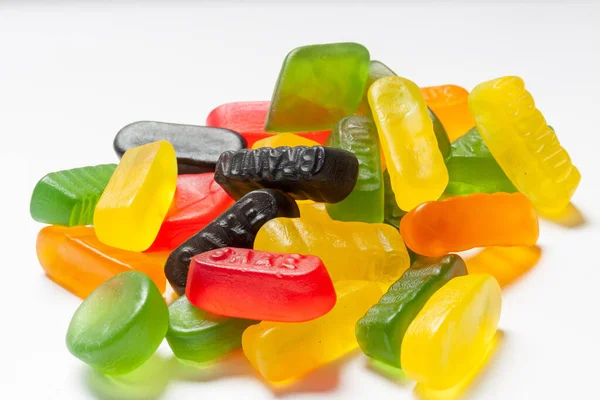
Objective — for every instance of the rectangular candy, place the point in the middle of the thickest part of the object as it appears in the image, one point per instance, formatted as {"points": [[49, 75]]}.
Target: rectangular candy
{"points": [[197, 147], [198, 201], [465, 222], [280, 351], [315, 173], [414, 160], [318, 85], [380, 331], [137, 198], [358, 135], [235, 227], [75, 259], [69, 197], [257, 285], [350, 250], [248, 119]]}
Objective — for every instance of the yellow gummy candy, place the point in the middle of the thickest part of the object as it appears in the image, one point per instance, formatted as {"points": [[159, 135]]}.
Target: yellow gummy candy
{"points": [[349, 250], [137, 197], [414, 161], [525, 146], [281, 351], [452, 332], [284, 139]]}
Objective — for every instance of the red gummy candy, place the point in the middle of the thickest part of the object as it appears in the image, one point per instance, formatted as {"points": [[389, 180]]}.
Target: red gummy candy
{"points": [[248, 119], [198, 200], [258, 285]]}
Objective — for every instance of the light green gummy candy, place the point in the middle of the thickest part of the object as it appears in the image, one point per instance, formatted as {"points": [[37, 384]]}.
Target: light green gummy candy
{"points": [[120, 324], [69, 197], [198, 336], [318, 85]]}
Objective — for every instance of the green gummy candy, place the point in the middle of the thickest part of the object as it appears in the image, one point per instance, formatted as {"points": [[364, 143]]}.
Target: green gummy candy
{"points": [[378, 70], [392, 213], [318, 85], [198, 336], [380, 332], [473, 169], [358, 135], [69, 197], [441, 135], [119, 325]]}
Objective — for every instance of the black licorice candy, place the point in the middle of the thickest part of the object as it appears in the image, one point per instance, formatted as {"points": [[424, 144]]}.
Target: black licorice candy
{"points": [[236, 227], [197, 147], [321, 174]]}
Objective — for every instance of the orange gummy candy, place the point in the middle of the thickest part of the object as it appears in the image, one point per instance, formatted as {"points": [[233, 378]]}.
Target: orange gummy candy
{"points": [[506, 264], [76, 260], [449, 103], [464, 222]]}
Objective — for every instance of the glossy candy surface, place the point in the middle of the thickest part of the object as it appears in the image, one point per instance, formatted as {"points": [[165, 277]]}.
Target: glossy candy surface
{"points": [[378, 70], [523, 144], [137, 197], [449, 103], [453, 332], [473, 169], [316, 173], [380, 331], [75, 259], [312, 211], [236, 227], [197, 147], [392, 214], [410, 147], [464, 222], [318, 85], [358, 135], [198, 336], [281, 351], [284, 139], [120, 325], [349, 250], [506, 264], [198, 200], [69, 197], [258, 285], [248, 118]]}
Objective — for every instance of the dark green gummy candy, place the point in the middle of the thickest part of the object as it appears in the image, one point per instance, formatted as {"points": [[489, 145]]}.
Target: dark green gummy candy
{"points": [[380, 332]]}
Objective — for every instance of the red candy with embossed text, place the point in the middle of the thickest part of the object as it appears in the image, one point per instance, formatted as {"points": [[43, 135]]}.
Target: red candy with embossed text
{"points": [[259, 285], [248, 119], [198, 200]]}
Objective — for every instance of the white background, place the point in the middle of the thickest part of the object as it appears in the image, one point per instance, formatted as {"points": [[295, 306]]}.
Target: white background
{"points": [[72, 75]]}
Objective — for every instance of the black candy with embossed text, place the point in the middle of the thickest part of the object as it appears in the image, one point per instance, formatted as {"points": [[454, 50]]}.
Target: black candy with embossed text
{"points": [[317, 173], [236, 227]]}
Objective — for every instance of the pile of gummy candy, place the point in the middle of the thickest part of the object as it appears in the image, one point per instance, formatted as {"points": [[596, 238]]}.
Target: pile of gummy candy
{"points": [[304, 227]]}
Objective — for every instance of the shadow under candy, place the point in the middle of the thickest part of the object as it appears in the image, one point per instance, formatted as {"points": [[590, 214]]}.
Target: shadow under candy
{"points": [[506, 264], [461, 389], [321, 380], [146, 382], [230, 365], [570, 217], [393, 374]]}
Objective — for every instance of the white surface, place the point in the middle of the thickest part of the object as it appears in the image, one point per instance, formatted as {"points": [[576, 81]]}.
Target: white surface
{"points": [[72, 75]]}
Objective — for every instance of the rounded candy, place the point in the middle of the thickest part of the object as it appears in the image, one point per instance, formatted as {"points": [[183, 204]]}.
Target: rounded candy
{"points": [[120, 325]]}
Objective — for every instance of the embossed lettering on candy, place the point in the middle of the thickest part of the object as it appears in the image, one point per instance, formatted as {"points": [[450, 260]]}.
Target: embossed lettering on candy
{"points": [[317, 173], [197, 147], [236, 227]]}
